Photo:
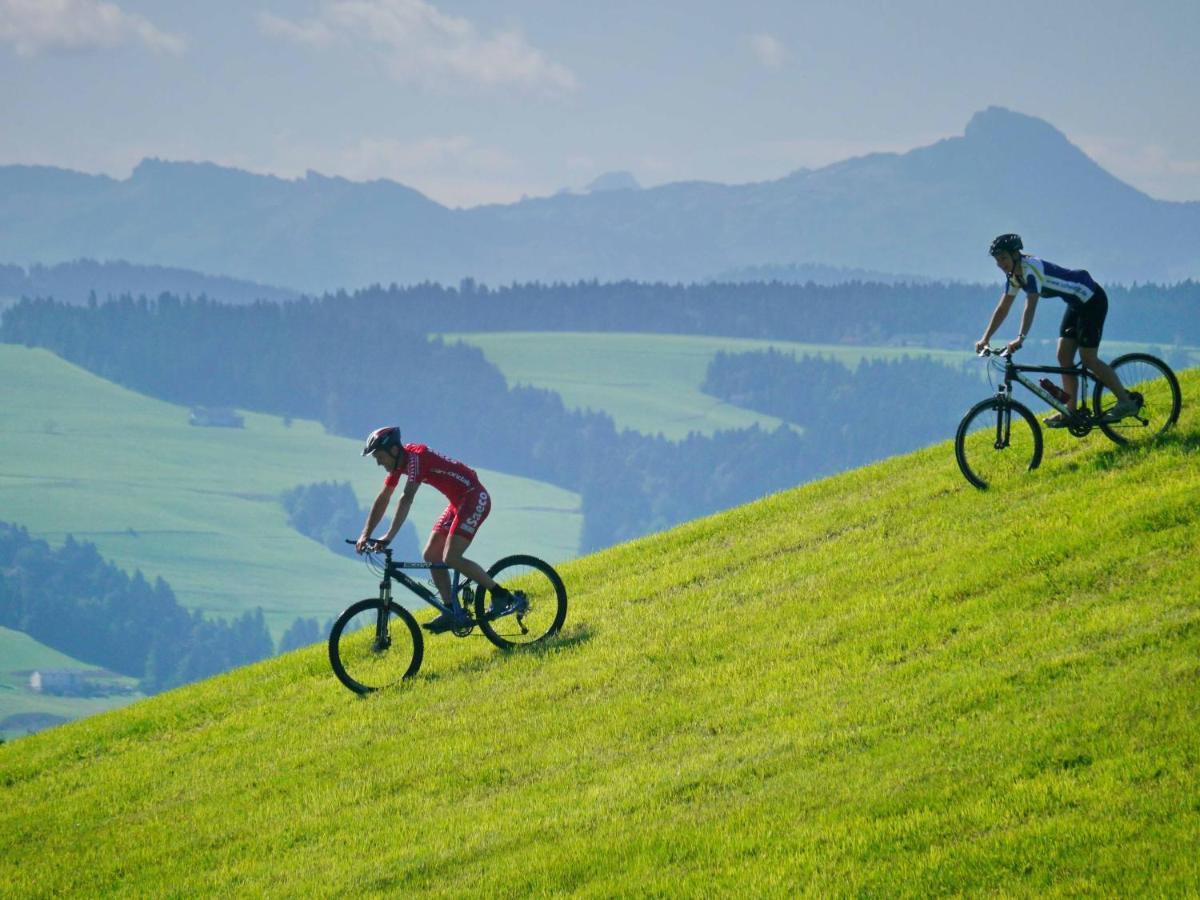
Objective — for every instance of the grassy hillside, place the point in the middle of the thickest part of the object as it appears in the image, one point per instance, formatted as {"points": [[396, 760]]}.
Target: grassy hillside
{"points": [[884, 683], [200, 506]]}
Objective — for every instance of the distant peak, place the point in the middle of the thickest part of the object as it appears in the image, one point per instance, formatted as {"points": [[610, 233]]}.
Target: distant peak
{"points": [[999, 124], [613, 181]]}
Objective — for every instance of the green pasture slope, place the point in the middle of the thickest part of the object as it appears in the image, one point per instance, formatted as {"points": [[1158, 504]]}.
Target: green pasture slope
{"points": [[200, 506], [651, 382], [20, 655], [648, 382], [880, 684]]}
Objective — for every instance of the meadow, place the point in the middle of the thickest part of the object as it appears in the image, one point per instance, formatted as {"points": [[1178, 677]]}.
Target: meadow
{"points": [[651, 382], [20, 655], [885, 683]]}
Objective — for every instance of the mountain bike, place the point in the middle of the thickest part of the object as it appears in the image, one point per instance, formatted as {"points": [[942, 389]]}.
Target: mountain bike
{"points": [[377, 643], [1000, 439]]}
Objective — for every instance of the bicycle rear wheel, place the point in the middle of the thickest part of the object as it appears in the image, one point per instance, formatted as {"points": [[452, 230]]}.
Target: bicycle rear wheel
{"points": [[373, 646], [541, 602], [1151, 379], [998, 441]]}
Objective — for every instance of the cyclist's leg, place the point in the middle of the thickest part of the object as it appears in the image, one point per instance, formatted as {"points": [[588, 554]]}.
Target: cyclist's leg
{"points": [[435, 552], [469, 516], [1068, 343], [1091, 328]]}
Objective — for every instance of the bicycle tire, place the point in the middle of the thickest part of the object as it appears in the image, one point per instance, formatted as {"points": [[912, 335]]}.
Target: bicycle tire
{"points": [[361, 666], [546, 596], [1152, 379], [982, 462]]}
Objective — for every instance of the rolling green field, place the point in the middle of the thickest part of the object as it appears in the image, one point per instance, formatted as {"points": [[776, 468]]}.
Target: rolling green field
{"points": [[200, 506], [651, 382], [880, 684], [19, 655], [648, 382]]}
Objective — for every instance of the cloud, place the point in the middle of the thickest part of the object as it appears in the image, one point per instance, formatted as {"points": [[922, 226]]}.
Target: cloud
{"points": [[422, 45], [767, 50], [34, 26], [312, 33]]}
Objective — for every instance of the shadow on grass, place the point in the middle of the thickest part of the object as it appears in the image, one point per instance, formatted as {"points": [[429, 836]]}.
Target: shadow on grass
{"points": [[1175, 441], [567, 639]]}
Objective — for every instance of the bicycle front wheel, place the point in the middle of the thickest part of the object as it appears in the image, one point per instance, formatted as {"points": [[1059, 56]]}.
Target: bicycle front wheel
{"points": [[541, 606], [374, 645], [1152, 380], [998, 441]]}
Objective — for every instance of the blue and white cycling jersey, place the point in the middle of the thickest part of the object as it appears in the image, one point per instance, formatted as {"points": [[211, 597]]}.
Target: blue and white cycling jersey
{"points": [[1075, 286]]}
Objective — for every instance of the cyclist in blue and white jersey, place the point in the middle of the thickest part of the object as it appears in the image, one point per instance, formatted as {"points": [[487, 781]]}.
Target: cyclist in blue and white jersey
{"points": [[1082, 324]]}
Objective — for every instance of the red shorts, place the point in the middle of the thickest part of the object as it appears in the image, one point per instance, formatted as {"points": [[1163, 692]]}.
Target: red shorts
{"points": [[465, 517]]}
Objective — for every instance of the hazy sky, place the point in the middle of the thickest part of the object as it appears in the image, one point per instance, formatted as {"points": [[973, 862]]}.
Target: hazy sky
{"points": [[472, 101]]}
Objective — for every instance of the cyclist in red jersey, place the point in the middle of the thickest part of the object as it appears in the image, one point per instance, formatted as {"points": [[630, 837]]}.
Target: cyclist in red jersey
{"points": [[455, 528]]}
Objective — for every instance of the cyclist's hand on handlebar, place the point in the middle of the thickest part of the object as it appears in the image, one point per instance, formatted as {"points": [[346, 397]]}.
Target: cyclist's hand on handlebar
{"points": [[1013, 346], [365, 544], [980, 346]]}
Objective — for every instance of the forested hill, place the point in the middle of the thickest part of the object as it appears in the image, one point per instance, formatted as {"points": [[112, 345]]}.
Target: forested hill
{"points": [[855, 312], [86, 280]]}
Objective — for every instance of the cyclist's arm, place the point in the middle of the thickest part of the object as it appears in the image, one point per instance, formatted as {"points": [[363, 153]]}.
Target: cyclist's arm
{"points": [[378, 508], [406, 499], [998, 316], [1031, 302]]}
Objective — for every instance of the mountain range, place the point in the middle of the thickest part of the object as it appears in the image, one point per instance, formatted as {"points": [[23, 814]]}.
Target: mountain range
{"points": [[930, 211]]}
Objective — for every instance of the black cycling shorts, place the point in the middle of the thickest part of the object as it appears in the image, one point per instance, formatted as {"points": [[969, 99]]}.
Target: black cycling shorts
{"points": [[1084, 324]]}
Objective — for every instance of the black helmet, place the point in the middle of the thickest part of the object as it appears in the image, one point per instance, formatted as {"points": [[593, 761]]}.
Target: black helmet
{"points": [[381, 439], [1007, 243]]}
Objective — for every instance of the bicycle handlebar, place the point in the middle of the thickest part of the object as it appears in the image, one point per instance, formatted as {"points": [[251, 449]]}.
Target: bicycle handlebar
{"points": [[994, 351], [374, 545]]}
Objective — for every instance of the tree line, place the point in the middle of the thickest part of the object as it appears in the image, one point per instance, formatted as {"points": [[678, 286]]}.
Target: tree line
{"points": [[853, 312]]}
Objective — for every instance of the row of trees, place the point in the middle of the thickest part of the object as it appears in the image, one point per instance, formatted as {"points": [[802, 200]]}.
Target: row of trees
{"points": [[856, 312], [72, 600], [862, 312]]}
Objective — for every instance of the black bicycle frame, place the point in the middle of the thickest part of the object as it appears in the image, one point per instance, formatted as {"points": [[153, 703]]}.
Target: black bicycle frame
{"points": [[394, 571], [1012, 372]]}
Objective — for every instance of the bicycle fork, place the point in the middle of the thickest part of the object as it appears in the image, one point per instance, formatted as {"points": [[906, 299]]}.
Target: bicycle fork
{"points": [[383, 639], [1003, 418]]}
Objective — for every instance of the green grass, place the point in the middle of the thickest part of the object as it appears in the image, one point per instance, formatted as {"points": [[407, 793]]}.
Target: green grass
{"points": [[651, 382], [881, 684], [200, 506]]}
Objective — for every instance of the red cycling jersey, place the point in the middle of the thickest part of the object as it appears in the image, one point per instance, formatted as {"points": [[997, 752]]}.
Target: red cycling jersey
{"points": [[452, 478]]}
